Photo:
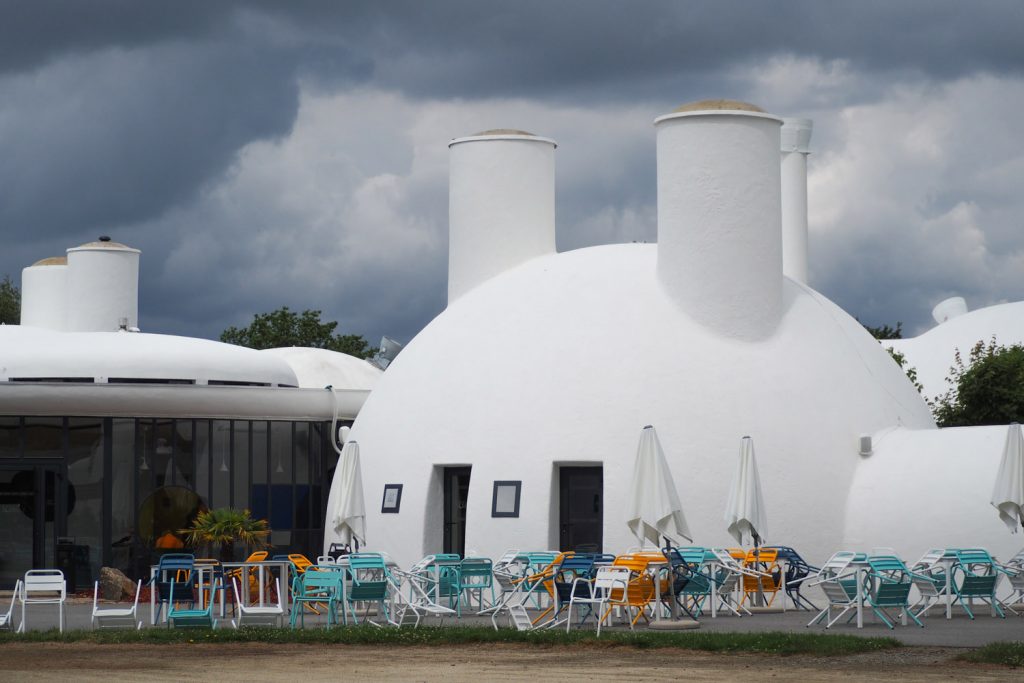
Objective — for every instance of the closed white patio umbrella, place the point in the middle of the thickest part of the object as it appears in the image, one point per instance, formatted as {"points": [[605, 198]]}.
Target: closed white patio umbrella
{"points": [[654, 508], [348, 515], [745, 511], [1008, 494]]}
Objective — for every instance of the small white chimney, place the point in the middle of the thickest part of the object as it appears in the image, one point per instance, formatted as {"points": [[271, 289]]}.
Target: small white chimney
{"points": [[103, 287], [501, 209], [796, 140], [44, 293], [719, 216]]}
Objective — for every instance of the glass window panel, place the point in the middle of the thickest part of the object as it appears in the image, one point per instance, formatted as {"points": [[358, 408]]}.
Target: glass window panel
{"points": [[184, 446], [145, 443], [240, 465], [220, 492], [10, 437], [125, 552], [44, 437], [85, 499], [161, 459], [281, 498]]}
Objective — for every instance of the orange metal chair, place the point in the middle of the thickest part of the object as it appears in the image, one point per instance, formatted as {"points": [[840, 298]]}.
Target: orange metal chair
{"points": [[546, 577], [640, 592], [769, 582]]}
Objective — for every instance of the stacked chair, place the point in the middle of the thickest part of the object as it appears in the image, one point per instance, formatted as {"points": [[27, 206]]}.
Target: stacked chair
{"points": [[975, 577]]}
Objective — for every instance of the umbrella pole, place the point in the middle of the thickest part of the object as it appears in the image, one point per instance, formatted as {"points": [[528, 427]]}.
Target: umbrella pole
{"points": [[760, 568], [671, 583]]}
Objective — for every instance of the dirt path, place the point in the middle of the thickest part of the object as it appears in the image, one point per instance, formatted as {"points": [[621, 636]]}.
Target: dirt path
{"points": [[258, 662]]}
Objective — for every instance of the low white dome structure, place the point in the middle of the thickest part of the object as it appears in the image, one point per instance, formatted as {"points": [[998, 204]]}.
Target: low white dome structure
{"points": [[318, 368]]}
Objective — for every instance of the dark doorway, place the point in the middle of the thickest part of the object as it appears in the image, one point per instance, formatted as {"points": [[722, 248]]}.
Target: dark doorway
{"points": [[34, 502], [581, 503], [456, 493]]}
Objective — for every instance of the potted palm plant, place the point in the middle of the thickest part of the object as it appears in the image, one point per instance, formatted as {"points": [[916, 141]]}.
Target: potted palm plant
{"points": [[224, 527]]}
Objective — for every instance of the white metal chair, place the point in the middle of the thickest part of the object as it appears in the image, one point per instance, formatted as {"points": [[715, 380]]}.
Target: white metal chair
{"points": [[930, 579], [598, 593], [838, 581], [1015, 574], [43, 587], [269, 615], [412, 601], [115, 617], [7, 618]]}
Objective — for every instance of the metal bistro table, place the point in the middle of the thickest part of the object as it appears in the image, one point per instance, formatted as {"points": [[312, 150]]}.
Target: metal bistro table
{"points": [[201, 570]]}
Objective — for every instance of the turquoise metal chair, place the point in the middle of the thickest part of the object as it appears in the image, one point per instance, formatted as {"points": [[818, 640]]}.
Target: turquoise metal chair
{"points": [[190, 618], [317, 587], [975, 577], [173, 568], [474, 574], [890, 582], [369, 583]]}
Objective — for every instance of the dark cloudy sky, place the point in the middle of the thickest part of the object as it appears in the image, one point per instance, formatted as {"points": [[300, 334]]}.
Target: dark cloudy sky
{"points": [[268, 153]]}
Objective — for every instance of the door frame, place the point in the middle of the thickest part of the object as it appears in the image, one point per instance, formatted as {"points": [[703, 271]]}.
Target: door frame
{"points": [[449, 474]]}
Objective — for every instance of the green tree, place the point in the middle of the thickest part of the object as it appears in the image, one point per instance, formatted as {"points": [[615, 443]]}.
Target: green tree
{"points": [[223, 527], [285, 327], [987, 390], [885, 332], [10, 302]]}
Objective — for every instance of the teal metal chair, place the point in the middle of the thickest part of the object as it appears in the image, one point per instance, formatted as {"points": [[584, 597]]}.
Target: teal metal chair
{"points": [[474, 574], [369, 582], [975, 577], [317, 587], [890, 582], [190, 618]]}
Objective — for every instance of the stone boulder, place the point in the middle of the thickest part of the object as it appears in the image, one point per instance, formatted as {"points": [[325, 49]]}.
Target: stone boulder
{"points": [[114, 585]]}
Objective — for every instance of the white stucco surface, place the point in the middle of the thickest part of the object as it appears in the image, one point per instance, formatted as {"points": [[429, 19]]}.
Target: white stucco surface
{"points": [[564, 359], [317, 368], [930, 488], [932, 352], [44, 296]]}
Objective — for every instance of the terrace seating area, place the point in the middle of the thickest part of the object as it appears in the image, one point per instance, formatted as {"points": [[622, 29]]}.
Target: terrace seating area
{"points": [[543, 589]]}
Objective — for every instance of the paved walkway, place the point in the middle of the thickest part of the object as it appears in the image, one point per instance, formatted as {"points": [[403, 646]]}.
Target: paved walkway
{"points": [[959, 631]]}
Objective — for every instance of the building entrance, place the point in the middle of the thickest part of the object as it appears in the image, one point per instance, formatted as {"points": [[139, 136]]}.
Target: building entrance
{"points": [[456, 493], [581, 503], [34, 502]]}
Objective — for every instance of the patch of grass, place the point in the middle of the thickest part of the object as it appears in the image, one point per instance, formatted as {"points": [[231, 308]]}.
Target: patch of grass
{"points": [[777, 643], [1007, 654]]}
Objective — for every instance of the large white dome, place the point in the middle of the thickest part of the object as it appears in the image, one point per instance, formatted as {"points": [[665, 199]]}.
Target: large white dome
{"points": [[566, 357]]}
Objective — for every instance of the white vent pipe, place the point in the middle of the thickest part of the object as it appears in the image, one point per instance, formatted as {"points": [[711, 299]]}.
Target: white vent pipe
{"points": [[796, 140], [719, 220], [501, 208], [103, 287], [44, 294]]}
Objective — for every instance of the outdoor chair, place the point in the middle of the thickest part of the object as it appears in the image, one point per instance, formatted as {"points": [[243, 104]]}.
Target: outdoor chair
{"points": [[43, 587], [173, 568], [270, 615], [321, 587], [596, 594], [838, 581], [766, 583], [639, 591], [189, 618], [251, 579], [931, 579], [889, 588], [7, 618], [369, 584], [1015, 575], [527, 588], [212, 574], [564, 581], [411, 599], [729, 571], [474, 574], [115, 617], [976, 577], [796, 572]]}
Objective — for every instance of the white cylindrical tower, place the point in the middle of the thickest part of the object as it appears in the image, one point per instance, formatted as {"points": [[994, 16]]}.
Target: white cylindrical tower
{"points": [[719, 221], [103, 287], [796, 141], [501, 205], [44, 293]]}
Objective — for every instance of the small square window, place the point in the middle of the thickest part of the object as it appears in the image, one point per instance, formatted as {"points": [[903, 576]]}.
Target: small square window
{"points": [[505, 502], [392, 498]]}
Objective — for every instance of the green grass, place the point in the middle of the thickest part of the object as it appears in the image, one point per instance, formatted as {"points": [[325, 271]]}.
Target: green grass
{"points": [[1007, 654], [776, 643]]}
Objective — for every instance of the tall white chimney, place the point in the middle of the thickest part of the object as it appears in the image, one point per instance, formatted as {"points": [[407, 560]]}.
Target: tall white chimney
{"points": [[44, 293], [719, 221], [103, 287], [796, 140], [501, 209]]}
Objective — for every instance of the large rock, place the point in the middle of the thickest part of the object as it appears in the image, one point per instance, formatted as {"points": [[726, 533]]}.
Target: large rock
{"points": [[115, 585]]}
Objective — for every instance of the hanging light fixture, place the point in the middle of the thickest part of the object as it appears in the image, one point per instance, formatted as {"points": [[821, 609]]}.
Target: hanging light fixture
{"points": [[224, 460]]}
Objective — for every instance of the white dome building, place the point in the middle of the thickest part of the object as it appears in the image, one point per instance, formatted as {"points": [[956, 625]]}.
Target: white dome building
{"points": [[544, 367]]}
